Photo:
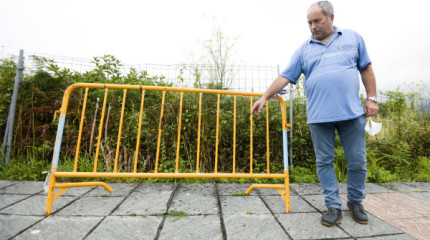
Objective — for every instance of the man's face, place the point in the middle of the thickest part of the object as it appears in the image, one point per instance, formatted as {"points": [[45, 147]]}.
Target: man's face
{"points": [[320, 26]]}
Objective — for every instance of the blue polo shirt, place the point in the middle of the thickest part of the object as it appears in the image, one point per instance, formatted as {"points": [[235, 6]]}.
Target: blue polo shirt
{"points": [[331, 76]]}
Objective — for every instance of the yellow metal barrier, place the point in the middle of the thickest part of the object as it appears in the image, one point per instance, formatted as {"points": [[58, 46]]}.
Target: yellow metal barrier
{"points": [[53, 174]]}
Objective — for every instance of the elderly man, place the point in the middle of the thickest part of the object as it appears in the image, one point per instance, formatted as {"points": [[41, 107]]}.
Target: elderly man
{"points": [[330, 61]]}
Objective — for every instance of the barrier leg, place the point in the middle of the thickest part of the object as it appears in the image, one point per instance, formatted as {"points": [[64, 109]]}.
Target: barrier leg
{"points": [[83, 184], [271, 186], [278, 187], [50, 197], [287, 192]]}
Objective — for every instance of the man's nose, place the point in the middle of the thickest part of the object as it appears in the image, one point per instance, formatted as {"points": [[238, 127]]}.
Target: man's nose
{"points": [[313, 26]]}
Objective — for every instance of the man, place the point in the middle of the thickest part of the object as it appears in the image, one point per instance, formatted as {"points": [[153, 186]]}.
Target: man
{"points": [[330, 61]]}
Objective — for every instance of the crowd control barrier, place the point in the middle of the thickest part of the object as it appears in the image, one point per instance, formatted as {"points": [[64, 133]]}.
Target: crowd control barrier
{"points": [[51, 180]]}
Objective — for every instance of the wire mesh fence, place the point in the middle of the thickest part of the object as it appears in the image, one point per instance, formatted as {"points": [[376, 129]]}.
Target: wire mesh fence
{"points": [[247, 78]]}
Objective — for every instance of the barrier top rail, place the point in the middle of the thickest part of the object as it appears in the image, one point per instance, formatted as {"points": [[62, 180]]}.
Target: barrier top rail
{"points": [[154, 88]]}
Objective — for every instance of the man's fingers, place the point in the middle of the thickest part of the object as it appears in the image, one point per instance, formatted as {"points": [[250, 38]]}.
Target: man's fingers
{"points": [[256, 109], [370, 109]]}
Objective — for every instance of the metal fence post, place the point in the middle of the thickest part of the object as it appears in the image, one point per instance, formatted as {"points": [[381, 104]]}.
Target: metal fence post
{"points": [[7, 140]]}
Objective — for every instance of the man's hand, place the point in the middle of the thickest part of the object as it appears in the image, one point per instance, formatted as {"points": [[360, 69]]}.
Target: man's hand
{"points": [[279, 83], [258, 106], [370, 108]]}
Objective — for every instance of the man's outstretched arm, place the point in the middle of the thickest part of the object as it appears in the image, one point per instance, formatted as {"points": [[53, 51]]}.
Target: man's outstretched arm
{"points": [[279, 83]]}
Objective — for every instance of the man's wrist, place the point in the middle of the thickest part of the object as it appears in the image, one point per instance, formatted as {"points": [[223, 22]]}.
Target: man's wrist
{"points": [[373, 99]]}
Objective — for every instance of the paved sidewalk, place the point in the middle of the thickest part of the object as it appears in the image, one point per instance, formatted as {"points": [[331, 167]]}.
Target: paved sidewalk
{"points": [[207, 211]]}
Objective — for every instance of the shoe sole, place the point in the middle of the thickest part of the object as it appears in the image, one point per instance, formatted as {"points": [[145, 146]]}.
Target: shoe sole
{"points": [[331, 224], [356, 220]]}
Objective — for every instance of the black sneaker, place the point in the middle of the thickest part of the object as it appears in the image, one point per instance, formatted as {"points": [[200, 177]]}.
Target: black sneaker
{"points": [[358, 213], [330, 217]]}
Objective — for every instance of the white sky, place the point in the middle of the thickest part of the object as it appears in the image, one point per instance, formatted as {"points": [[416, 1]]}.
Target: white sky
{"points": [[167, 31]]}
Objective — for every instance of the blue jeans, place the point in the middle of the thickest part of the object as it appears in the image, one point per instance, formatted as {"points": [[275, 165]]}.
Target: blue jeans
{"points": [[352, 138]]}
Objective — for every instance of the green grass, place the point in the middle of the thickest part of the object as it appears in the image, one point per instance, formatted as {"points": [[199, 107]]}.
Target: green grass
{"points": [[239, 194], [176, 215]]}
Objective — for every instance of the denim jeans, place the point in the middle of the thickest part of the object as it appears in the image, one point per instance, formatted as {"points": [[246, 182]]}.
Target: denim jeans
{"points": [[352, 138]]}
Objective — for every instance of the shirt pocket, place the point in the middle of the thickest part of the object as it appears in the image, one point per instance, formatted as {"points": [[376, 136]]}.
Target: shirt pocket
{"points": [[347, 54]]}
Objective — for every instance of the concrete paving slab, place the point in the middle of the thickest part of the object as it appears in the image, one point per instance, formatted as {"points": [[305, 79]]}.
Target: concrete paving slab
{"points": [[243, 205], [23, 188], [149, 188], [272, 192], [36, 206], [55, 227], [308, 226], [199, 189], [229, 189], [91, 206], [376, 188], [194, 204], [4, 184], [8, 199], [141, 203], [375, 227], [124, 227], [412, 204], [317, 201], [416, 227], [399, 187], [391, 237], [297, 204], [192, 227], [425, 196], [343, 189], [245, 227], [119, 190], [11, 225], [423, 186], [306, 188]]}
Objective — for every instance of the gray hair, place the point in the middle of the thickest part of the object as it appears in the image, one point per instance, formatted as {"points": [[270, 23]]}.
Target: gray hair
{"points": [[326, 7]]}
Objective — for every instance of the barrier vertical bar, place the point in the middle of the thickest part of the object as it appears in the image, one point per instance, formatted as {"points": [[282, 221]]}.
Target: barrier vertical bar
{"points": [[217, 132], [119, 131], [284, 133], [251, 135], [291, 125], [100, 130], [81, 124], [198, 133], [179, 133], [57, 149], [234, 135], [267, 137], [159, 132], [285, 155], [138, 132]]}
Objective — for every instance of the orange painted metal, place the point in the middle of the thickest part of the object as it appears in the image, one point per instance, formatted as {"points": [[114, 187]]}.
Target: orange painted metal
{"points": [[54, 174]]}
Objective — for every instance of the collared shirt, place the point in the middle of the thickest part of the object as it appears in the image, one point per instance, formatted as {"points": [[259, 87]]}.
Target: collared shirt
{"points": [[331, 75]]}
